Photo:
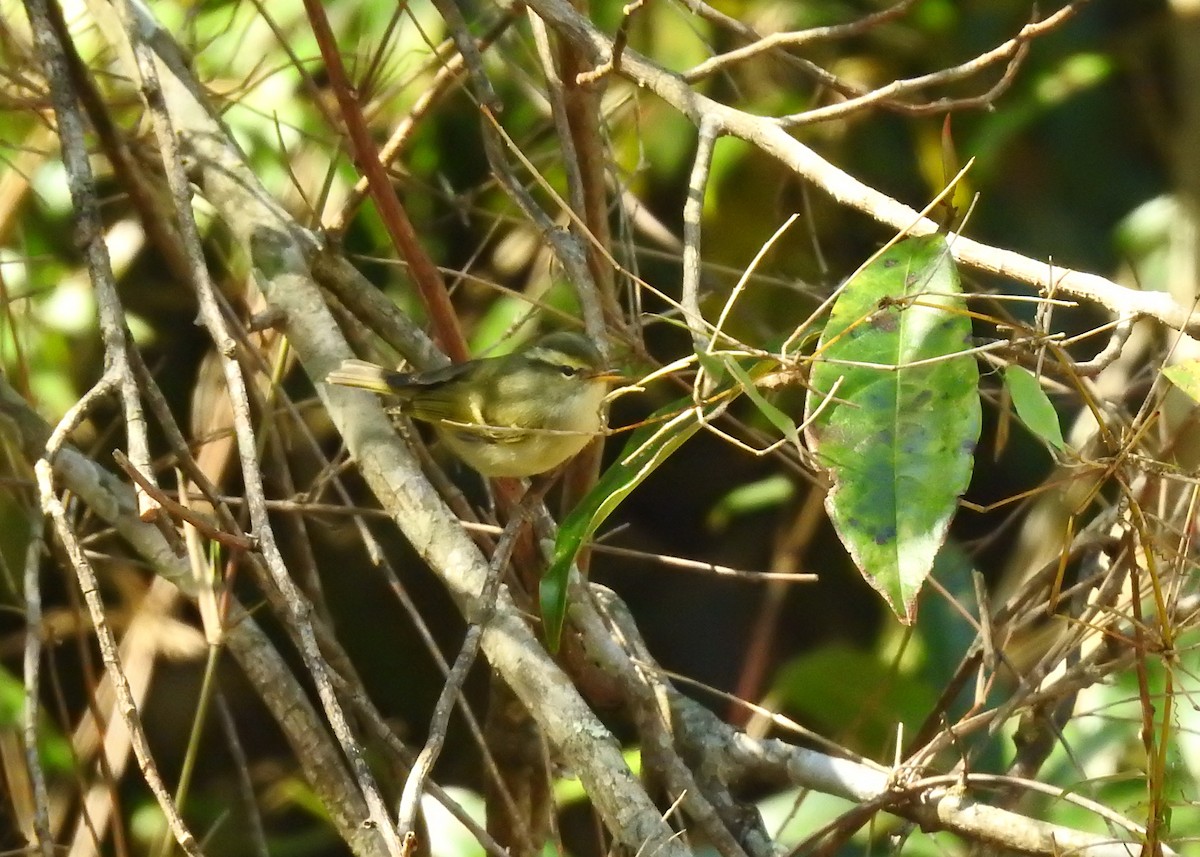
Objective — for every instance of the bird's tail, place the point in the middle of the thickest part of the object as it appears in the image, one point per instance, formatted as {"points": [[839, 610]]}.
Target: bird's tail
{"points": [[367, 376]]}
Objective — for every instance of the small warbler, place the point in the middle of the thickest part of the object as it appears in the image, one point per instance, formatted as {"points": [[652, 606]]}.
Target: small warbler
{"points": [[519, 414]]}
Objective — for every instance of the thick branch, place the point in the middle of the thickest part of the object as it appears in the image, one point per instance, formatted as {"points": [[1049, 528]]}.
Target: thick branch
{"points": [[279, 247]]}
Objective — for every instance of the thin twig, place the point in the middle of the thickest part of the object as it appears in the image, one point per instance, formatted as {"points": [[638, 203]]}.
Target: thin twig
{"points": [[693, 211], [620, 40], [558, 113], [428, 279], [571, 253], [793, 39], [308, 507], [452, 689], [33, 707], [481, 85], [448, 77], [200, 522], [1122, 328], [491, 769], [616, 648], [300, 610], [241, 766], [1013, 51], [54, 509], [89, 231], [132, 176], [322, 762], [766, 134]]}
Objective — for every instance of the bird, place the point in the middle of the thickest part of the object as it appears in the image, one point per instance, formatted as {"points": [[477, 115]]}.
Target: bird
{"points": [[516, 415]]}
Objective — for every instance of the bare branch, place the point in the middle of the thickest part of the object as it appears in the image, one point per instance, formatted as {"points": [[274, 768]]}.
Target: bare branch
{"points": [[771, 138]]}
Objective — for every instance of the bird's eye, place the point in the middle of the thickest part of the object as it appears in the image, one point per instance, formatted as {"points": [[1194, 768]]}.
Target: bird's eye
{"points": [[569, 371]]}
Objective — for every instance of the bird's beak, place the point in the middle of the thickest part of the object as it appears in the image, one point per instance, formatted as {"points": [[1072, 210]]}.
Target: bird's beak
{"points": [[610, 376]]}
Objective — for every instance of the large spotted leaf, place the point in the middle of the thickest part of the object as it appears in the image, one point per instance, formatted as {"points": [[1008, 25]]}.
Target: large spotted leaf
{"points": [[901, 414]]}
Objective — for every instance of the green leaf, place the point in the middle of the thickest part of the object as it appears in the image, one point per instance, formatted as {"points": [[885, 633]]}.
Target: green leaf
{"points": [[648, 447], [714, 366], [896, 437], [54, 749], [775, 416], [1033, 405], [768, 493], [1185, 376]]}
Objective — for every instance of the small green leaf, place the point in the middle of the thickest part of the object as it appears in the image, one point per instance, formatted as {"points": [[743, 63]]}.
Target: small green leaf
{"points": [[898, 432], [775, 416], [768, 493], [1185, 376], [1033, 405], [714, 366], [648, 447]]}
